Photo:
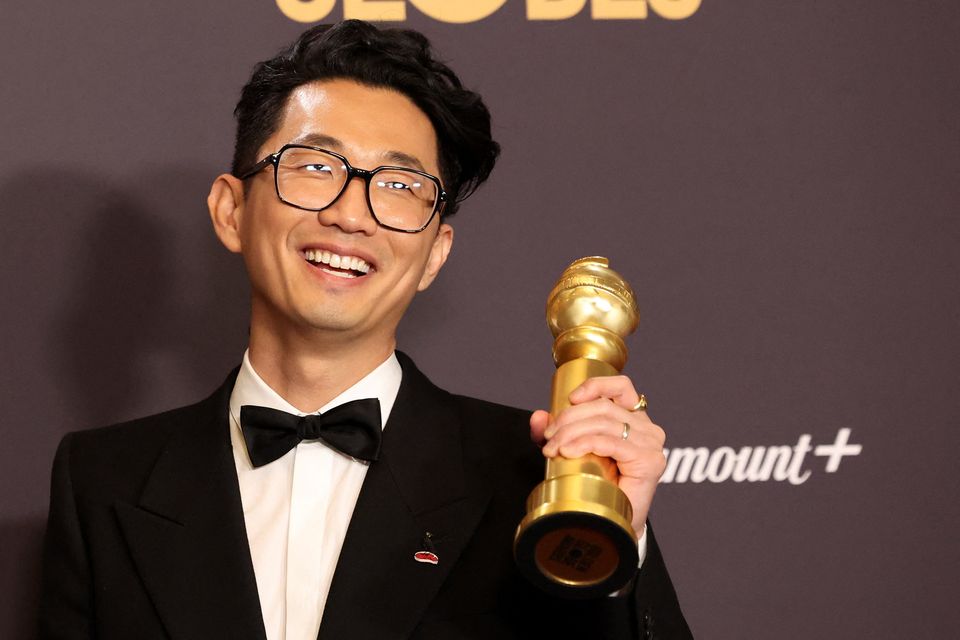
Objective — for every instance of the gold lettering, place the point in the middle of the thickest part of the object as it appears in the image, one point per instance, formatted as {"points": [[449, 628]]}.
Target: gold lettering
{"points": [[462, 11], [458, 11], [675, 9], [306, 10], [554, 9], [375, 10], [618, 9]]}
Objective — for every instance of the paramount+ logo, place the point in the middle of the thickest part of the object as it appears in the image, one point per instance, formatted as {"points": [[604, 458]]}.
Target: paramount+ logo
{"points": [[782, 463], [463, 11]]}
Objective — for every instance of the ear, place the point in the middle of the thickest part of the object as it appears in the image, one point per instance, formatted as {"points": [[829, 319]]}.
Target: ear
{"points": [[438, 255], [225, 203]]}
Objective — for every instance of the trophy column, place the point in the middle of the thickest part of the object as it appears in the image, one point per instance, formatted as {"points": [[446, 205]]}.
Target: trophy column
{"points": [[576, 540]]}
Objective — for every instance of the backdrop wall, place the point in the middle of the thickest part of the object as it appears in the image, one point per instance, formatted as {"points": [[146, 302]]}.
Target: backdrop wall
{"points": [[778, 180]]}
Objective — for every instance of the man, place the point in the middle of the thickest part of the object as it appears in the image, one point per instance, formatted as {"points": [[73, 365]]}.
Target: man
{"points": [[236, 518]]}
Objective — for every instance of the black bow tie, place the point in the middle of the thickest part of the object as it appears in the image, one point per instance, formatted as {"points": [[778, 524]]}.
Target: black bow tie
{"points": [[352, 428]]}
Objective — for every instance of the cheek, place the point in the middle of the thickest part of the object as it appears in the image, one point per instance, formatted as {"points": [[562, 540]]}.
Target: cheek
{"points": [[264, 245], [414, 259]]}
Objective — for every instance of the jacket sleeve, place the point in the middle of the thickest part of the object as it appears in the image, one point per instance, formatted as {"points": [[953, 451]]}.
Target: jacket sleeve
{"points": [[657, 610], [648, 608], [66, 600]]}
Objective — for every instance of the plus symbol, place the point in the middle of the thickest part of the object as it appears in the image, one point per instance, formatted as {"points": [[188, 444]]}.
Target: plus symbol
{"points": [[837, 450]]}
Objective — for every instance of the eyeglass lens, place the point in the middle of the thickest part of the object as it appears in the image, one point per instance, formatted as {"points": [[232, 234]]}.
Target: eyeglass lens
{"points": [[313, 179]]}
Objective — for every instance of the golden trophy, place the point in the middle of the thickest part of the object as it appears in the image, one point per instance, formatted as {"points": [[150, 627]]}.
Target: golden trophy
{"points": [[576, 540]]}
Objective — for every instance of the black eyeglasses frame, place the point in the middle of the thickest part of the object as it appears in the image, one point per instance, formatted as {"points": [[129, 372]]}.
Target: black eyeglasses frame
{"points": [[352, 172]]}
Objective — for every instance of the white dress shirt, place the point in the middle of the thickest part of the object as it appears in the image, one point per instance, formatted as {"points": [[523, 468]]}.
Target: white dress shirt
{"points": [[298, 507]]}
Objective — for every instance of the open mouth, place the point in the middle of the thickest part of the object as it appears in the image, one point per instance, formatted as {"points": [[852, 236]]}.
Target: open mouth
{"points": [[337, 265]]}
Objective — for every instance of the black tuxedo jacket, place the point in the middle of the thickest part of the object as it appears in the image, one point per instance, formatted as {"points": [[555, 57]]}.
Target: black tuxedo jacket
{"points": [[146, 537]]}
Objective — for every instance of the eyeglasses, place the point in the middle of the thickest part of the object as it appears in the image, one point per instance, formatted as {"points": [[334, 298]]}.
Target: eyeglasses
{"points": [[312, 179]]}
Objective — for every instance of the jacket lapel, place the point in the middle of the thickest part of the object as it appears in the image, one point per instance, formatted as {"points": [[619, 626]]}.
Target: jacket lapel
{"points": [[419, 485], [187, 535]]}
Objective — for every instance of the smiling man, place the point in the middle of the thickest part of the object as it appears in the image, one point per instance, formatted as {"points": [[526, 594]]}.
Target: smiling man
{"points": [[330, 283], [328, 489]]}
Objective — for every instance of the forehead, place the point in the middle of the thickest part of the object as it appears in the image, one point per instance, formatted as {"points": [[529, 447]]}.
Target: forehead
{"points": [[369, 125]]}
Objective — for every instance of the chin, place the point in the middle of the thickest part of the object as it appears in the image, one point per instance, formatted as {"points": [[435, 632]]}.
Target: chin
{"points": [[326, 319]]}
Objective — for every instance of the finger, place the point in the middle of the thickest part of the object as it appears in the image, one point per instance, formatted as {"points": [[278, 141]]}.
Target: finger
{"points": [[591, 425], [539, 421], [642, 438], [617, 388], [641, 464], [597, 444], [599, 407], [641, 433]]}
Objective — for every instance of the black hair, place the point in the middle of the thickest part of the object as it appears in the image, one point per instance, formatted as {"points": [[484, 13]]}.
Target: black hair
{"points": [[398, 59]]}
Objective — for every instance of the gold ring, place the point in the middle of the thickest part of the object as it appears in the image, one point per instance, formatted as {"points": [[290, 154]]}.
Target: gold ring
{"points": [[641, 404], [626, 430]]}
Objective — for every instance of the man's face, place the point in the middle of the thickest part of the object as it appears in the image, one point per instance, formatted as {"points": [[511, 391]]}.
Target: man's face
{"points": [[281, 244]]}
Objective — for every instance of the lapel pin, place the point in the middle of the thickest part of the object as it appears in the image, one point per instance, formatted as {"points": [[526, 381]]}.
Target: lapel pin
{"points": [[427, 555]]}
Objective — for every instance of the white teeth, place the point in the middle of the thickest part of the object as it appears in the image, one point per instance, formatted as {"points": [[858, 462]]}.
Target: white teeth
{"points": [[318, 256], [341, 274]]}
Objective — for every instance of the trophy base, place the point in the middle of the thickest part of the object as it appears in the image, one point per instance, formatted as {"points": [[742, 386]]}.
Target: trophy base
{"points": [[576, 540]]}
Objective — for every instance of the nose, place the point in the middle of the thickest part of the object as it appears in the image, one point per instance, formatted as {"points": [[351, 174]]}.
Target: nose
{"points": [[351, 211]]}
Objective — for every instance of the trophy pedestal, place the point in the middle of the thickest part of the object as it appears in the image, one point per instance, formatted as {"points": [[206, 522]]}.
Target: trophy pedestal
{"points": [[576, 540]]}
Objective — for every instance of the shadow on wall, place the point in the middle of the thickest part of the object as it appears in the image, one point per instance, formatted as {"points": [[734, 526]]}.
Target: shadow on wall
{"points": [[123, 303], [150, 310], [123, 306]]}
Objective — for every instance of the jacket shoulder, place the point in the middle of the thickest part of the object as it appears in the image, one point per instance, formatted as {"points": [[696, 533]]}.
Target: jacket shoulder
{"points": [[101, 460], [485, 427], [490, 421], [137, 429], [484, 408], [496, 438]]}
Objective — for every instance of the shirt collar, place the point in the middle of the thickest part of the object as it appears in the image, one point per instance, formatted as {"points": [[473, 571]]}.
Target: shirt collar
{"points": [[382, 383]]}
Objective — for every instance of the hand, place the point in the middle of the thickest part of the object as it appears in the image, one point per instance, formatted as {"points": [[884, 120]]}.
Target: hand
{"points": [[594, 424]]}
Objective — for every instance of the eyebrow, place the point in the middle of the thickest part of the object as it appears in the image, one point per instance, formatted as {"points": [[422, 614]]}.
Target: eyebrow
{"points": [[319, 140], [334, 144]]}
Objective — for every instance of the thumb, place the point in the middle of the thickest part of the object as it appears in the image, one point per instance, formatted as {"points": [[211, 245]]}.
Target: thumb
{"points": [[539, 420]]}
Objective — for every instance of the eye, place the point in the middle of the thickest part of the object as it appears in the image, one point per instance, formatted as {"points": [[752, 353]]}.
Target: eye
{"points": [[396, 185], [401, 185], [316, 168]]}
